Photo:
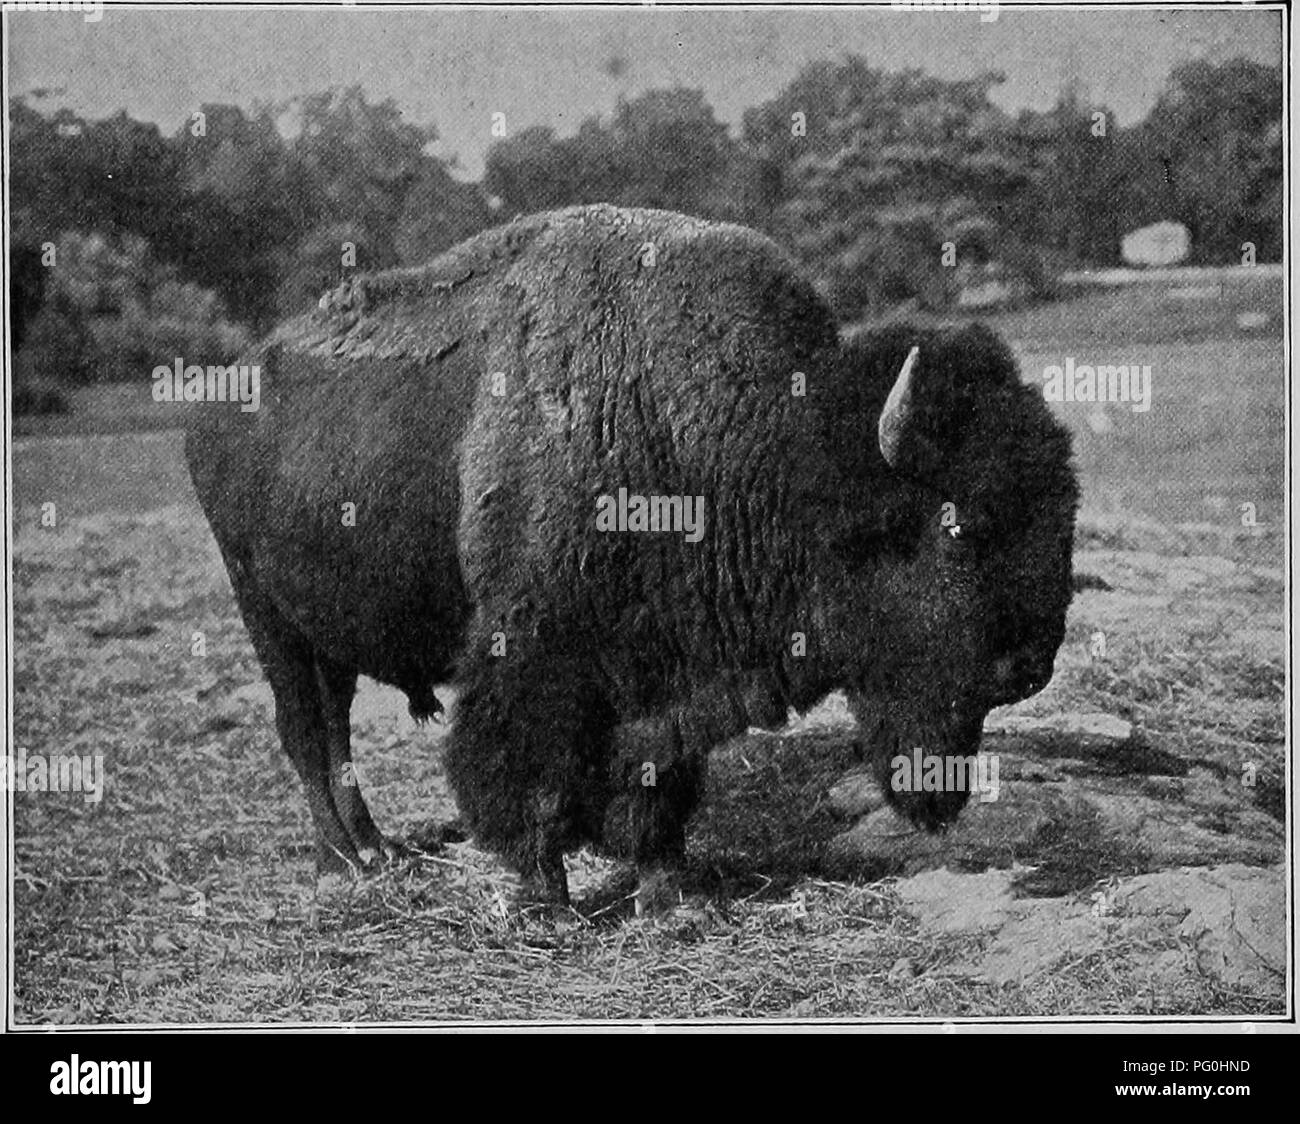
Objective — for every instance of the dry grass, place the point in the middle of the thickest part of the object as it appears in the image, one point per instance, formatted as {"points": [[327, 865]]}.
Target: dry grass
{"points": [[188, 895]]}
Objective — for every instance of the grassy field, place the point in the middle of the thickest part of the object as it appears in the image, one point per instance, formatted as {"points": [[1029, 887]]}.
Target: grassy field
{"points": [[188, 895]]}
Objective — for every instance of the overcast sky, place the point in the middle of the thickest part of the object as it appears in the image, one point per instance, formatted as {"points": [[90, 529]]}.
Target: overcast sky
{"points": [[555, 67]]}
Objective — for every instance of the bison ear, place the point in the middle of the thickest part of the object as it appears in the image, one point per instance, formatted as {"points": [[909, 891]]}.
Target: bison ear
{"points": [[905, 448]]}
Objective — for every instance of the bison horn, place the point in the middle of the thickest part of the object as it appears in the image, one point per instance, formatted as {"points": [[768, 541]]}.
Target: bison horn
{"points": [[897, 412]]}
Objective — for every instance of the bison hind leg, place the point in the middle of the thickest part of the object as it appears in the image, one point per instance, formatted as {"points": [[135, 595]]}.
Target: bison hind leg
{"points": [[337, 686], [313, 699]]}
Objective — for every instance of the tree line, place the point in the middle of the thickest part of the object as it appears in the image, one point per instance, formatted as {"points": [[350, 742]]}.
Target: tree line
{"points": [[126, 243]]}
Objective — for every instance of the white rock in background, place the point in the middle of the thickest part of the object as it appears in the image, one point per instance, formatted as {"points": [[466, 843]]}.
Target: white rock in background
{"points": [[1161, 243]]}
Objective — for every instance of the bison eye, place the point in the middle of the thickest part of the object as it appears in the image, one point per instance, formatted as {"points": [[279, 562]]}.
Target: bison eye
{"points": [[967, 536]]}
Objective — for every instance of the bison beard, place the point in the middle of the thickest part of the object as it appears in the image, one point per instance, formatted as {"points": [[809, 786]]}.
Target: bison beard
{"points": [[473, 411]]}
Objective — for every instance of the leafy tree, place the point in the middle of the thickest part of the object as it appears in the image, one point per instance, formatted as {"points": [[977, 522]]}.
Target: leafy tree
{"points": [[664, 149], [114, 312], [534, 171], [438, 212], [131, 173], [242, 212], [1077, 200], [27, 277], [881, 182], [1213, 143], [47, 169], [73, 174], [864, 174], [317, 263], [269, 218], [359, 160]]}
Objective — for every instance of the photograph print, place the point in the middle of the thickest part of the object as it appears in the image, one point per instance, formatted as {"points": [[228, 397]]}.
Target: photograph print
{"points": [[645, 515]]}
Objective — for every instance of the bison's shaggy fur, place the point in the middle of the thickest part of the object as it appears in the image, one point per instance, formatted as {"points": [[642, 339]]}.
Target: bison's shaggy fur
{"points": [[475, 410]]}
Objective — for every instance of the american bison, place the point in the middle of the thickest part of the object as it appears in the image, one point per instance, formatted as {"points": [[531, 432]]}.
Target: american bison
{"points": [[476, 471]]}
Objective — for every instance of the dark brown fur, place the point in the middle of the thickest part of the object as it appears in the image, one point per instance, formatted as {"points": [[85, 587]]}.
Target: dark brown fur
{"points": [[657, 353]]}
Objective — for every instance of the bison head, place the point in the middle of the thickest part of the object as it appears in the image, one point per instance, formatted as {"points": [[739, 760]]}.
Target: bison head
{"points": [[952, 543]]}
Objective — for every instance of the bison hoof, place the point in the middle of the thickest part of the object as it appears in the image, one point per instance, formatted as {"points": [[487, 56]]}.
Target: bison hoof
{"points": [[432, 837], [548, 884], [338, 862], [388, 853], [931, 811]]}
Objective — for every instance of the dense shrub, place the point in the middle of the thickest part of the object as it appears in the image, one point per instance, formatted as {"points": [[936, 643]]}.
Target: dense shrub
{"points": [[59, 347], [113, 313]]}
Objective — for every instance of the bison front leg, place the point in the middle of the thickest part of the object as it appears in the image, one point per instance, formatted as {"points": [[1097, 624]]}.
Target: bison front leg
{"points": [[548, 881], [530, 734], [663, 762], [657, 780], [661, 815]]}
